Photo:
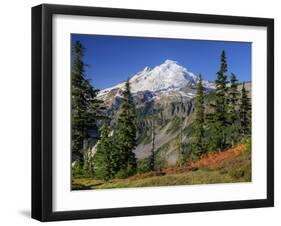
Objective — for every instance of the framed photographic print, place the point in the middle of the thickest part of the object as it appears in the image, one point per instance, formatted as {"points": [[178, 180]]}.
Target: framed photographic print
{"points": [[146, 112]]}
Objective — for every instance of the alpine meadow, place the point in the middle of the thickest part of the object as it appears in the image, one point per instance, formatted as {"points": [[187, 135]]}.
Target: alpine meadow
{"points": [[159, 112]]}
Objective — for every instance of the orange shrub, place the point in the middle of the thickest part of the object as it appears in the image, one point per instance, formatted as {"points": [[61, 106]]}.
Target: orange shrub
{"points": [[212, 160]]}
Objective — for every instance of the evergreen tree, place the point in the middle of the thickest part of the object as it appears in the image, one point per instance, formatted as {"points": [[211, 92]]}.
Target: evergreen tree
{"points": [[103, 156], [198, 145], [245, 112], [115, 153], [79, 102], [85, 107], [219, 117], [233, 100], [181, 154], [126, 132], [152, 155]]}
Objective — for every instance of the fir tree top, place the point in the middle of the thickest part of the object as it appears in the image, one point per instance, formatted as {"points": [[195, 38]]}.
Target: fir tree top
{"points": [[221, 74]]}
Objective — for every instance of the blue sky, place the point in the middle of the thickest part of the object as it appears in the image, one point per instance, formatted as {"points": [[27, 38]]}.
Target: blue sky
{"points": [[112, 59]]}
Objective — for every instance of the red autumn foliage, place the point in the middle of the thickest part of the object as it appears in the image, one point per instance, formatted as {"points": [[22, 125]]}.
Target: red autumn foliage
{"points": [[211, 160]]}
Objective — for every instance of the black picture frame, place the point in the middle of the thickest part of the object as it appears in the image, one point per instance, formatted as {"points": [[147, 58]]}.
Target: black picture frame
{"points": [[42, 111]]}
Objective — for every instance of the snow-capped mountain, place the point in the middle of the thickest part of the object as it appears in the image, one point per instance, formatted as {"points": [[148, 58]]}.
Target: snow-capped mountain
{"points": [[169, 76]]}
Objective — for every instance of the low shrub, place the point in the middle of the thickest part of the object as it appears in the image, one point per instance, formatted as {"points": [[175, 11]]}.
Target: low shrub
{"points": [[124, 173], [143, 166]]}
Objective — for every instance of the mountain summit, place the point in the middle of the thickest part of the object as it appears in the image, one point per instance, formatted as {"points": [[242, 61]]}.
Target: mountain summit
{"points": [[168, 76]]}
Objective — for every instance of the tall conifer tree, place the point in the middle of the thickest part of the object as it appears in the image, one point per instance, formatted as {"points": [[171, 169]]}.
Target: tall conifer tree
{"points": [[245, 112], [219, 117], [79, 102], [103, 158], [233, 101], [218, 120], [152, 154], [181, 155], [126, 132], [85, 107], [198, 145]]}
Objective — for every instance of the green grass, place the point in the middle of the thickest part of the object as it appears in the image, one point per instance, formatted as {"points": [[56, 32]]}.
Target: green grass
{"points": [[234, 170], [238, 168]]}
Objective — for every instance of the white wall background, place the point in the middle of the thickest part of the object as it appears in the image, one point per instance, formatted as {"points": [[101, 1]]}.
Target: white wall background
{"points": [[15, 113]]}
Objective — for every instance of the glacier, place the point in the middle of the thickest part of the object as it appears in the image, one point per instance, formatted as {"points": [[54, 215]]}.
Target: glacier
{"points": [[168, 76]]}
